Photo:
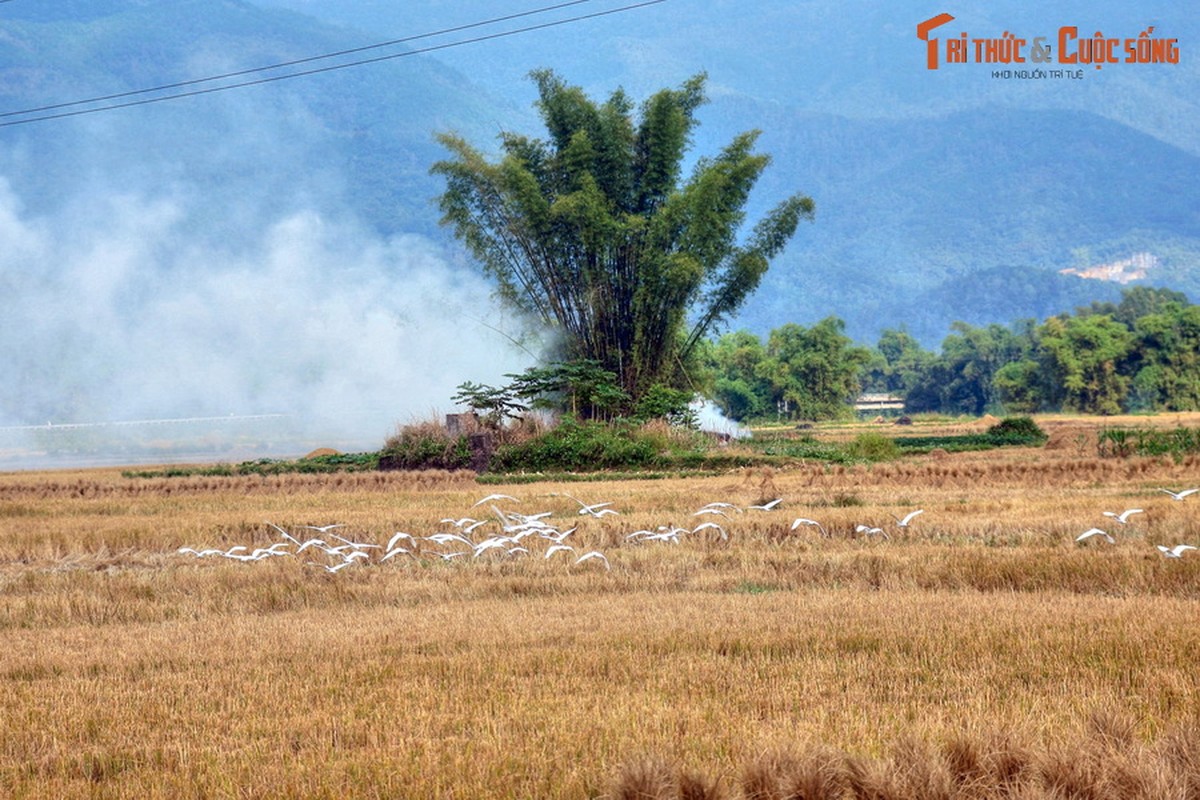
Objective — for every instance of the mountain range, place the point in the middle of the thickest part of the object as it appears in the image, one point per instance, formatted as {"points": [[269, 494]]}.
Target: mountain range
{"points": [[941, 195]]}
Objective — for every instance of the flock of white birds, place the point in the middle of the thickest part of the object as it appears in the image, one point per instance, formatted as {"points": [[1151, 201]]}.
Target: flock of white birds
{"points": [[510, 534], [1123, 518], [501, 534]]}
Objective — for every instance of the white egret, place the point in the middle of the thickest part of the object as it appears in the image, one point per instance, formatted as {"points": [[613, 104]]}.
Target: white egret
{"points": [[767, 506], [1180, 495], [558, 536], [594, 554], [396, 537], [324, 528], [1124, 516], [446, 538], [552, 549], [492, 497], [200, 553], [711, 526], [284, 533], [805, 521], [1090, 532], [718, 504], [601, 512], [867, 530], [395, 552], [903, 523], [707, 510], [356, 545], [335, 567]]}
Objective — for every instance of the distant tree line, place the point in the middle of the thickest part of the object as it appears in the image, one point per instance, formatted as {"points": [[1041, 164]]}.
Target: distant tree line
{"points": [[1141, 354]]}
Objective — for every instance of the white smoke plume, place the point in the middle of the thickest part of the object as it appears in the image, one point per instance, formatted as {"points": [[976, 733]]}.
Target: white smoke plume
{"points": [[115, 309]]}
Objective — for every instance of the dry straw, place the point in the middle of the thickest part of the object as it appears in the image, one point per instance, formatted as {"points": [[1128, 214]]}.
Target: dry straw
{"points": [[978, 653]]}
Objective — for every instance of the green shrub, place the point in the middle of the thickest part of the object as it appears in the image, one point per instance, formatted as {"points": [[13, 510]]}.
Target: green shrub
{"points": [[1014, 430], [427, 446], [871, 446], [574, 446]]}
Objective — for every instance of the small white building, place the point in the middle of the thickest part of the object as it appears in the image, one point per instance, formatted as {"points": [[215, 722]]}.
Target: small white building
{"points": [[876, 402]]}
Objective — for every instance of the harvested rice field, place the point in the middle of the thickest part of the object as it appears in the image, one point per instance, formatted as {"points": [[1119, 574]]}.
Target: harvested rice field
{"points": [[202, 637]]}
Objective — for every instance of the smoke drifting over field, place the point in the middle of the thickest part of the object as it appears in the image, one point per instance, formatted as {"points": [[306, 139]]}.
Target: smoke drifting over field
{"points": [[125, 307]]}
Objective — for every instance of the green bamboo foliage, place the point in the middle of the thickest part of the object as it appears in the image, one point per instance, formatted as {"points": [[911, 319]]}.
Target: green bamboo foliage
{"points": [[595, 231]]}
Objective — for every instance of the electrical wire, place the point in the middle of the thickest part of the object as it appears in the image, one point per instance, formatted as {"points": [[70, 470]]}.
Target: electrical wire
{"points": [[282, 64], [313, 71]]}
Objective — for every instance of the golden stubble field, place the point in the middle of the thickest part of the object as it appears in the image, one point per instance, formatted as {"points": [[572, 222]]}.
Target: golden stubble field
{"points": [[981, 652]]}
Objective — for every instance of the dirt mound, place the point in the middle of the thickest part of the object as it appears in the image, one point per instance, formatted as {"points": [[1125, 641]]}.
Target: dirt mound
{"points": [[322, 451], [987, 421]]}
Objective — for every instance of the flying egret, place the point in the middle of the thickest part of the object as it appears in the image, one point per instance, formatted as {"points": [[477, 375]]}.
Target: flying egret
{"points": [[558, 536], [707, 510], [601, 512], [284, 533], [355, 545], [447, 538], [767, 506], [1124, 516], [395, 552], [324, 528], [396, 537], [527, 519], [584, 508], [492, 497], [492, 544], [903, 523], [1179, 495], [867, 530], [265, 552], [711, 526], [1175, 552], [1090, 532], [200, 553], [554, 548], [335, 567], [594, 554], [805, 521]]}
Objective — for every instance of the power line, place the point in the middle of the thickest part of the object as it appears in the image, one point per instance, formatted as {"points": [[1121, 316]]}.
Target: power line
{"points": [[292, 63], [313, 71]]}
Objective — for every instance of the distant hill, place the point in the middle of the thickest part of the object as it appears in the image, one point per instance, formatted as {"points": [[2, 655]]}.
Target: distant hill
{"points": [[939, 197], [355, 141]]}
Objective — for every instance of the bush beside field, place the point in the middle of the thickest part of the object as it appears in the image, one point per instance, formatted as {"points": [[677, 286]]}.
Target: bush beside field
{"points": [[655, 448]]}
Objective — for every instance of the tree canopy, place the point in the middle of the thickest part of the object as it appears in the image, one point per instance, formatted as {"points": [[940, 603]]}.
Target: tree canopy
{"points": [[595, 231]]}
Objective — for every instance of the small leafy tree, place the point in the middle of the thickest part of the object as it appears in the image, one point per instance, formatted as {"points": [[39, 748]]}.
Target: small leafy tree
{"points": [[583, 388], [494, 405], [672, 405]]}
